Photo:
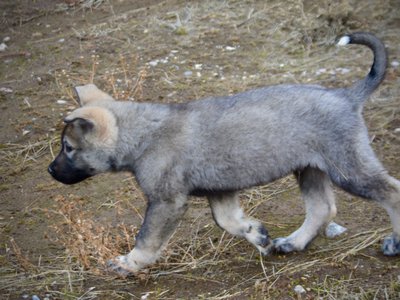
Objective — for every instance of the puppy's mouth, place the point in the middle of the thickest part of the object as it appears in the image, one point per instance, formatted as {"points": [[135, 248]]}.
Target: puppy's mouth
{"points": [[68, 174]]}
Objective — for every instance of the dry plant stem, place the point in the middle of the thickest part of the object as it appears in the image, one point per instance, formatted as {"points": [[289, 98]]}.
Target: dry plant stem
{"points": [[23, 262]]}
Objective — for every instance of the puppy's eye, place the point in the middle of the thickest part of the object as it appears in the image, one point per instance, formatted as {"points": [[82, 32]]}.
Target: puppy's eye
{"points": [[68, 148]]}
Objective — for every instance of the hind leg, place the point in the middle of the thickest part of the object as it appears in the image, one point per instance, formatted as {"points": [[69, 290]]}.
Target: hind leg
{"points": [[391, 202], [385, 190], [361, 174], [229, 216], [320, 208]]}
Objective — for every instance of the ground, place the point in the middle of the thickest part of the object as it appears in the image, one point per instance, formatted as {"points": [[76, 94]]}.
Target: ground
{"points": [[55, 239]]}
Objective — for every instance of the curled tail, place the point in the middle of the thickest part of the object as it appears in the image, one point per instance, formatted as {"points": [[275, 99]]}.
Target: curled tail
{"points": [[363, 88]]}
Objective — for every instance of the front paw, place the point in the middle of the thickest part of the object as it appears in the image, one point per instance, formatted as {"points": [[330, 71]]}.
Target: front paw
{"points": [[258, 236], [121, 267], [391, 245]]}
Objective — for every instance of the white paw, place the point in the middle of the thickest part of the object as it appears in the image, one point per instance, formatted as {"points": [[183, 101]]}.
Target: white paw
{"points": [[258, 236], [122, 267]]}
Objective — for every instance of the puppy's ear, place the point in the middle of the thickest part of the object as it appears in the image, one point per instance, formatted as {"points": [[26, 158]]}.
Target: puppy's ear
{"points": [[80, 125], [97, 124], [90, 93]]}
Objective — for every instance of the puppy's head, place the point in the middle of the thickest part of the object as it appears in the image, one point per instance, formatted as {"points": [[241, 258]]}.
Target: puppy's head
{"points": [[88, 144]]}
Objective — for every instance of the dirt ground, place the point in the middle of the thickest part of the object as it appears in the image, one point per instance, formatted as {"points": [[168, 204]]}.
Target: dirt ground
{"points": [[55, 239]]}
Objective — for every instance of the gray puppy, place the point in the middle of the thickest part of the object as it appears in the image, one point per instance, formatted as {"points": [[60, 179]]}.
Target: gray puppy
{"points": [[216, 147]]}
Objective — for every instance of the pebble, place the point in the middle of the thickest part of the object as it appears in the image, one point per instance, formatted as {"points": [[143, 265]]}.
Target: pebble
{"points": [[188, 73], [394, 64], [3, 47], [34, 297], [333, 230], [397, 130], [153, 63], [61, 102], [6, 39], [229, 48], [6, 90], [298, 289]]}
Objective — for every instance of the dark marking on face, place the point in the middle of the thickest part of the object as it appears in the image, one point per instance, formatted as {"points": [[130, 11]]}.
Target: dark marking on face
{"points": [[64, 169]]}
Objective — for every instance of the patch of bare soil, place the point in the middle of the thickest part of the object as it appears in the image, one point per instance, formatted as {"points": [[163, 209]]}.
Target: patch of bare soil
{"points": [[55, 239]]}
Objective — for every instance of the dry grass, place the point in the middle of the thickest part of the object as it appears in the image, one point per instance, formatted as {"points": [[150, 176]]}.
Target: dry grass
{"points": [[124, 80], [15, 157], [274, 42], [90, 242]]}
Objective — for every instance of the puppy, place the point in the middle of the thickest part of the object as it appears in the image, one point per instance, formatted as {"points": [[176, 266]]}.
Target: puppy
{"points": [[216, 147]]}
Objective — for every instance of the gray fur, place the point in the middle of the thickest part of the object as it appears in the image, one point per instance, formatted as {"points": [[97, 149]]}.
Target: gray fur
{"points": [[217, 146]]}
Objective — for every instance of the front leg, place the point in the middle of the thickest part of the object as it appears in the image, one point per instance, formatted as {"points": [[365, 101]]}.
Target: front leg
{"points": [[162, 217]]}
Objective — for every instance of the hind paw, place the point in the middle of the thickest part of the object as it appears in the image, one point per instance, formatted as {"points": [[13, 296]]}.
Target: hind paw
{"points": [[391, 245], [121, 267], [283, 245]]}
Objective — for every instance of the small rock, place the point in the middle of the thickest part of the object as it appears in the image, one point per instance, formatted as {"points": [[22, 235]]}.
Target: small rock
{"points": [[6, 39], [198, 66], [397, 130], [333, 230], [61, 40], [153, 63], [188, 73], [25, 132], [34, 297], [3, 47], [6, 90], [61, 101], [298, 289], [395, 64], [229, 48]]}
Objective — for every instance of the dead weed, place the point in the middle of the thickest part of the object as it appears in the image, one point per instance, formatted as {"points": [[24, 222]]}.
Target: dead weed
{"points": [[90, 242]]}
